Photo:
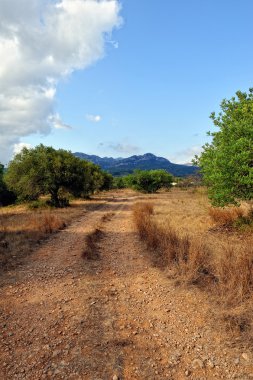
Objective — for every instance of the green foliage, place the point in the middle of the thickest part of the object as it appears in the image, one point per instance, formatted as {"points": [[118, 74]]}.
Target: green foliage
{"points": [[119, 183], [1, 177], [227, 163], [107, 181], [6, 197], [39, 204], [149, 181], [44, 170]]}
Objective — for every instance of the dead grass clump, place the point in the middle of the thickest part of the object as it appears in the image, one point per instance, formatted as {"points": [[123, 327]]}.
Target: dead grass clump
{"points": [[198, 268], [190, 259], [234, 270], [91, 244], [225, 216], [91, 251], [141, 213], [46, 223]]}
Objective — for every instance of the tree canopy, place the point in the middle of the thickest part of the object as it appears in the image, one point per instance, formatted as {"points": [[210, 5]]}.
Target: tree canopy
{"points": [[149, 181], [44, 170], [227, 162], [6, 197]]}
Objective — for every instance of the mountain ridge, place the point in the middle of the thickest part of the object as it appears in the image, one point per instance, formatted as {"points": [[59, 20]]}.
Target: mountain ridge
{"points": [[148, 161]]}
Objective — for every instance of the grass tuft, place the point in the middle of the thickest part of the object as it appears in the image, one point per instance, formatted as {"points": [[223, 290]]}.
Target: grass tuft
{"points": [[91, 251], [225, 216]]}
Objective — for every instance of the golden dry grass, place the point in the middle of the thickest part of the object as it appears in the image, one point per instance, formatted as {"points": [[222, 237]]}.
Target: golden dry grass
{"points": [[22, 229], [226, 215], [185, 235]]}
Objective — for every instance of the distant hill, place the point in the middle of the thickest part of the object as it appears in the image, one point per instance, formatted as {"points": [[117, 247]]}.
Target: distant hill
{"points": [[148, 161]]}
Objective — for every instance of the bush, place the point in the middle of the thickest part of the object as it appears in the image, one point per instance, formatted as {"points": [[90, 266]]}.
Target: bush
{"points": [[7, 197], [149, 181]]}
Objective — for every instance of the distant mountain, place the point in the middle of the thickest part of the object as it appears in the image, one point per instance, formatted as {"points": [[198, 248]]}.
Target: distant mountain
{"points": [[148, 161]]}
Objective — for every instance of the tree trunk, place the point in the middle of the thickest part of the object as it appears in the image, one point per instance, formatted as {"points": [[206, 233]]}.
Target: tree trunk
{"points": [[54, 197]]}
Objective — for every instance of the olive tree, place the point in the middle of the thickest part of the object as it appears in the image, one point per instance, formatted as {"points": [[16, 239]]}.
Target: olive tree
{"points": [[227, 162], [44, 170]]}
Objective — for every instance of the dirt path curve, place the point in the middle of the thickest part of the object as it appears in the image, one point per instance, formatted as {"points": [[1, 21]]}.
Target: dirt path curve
{"points": [[116, 317]]}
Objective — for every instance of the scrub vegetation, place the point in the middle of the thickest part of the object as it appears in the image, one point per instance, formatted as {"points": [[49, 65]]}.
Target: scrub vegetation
{"points": [[203, 246]]}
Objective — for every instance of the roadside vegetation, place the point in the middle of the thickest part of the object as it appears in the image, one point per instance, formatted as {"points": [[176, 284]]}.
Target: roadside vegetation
{"points": [[202, 246], [211, 247], [23, 229]]}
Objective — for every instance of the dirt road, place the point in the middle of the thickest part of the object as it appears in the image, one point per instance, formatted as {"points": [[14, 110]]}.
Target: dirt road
{"points": [[114, 317]]}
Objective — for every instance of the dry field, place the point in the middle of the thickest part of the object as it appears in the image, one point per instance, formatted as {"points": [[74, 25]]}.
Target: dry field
{"points": [[203, 246], [22, 230]]}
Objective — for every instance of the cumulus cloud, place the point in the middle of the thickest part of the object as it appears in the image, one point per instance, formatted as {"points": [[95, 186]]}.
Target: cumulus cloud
{"points": [[94, 118], [42, 41], [185, 156]]}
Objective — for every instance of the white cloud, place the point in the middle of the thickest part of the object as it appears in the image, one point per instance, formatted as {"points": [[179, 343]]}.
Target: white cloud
{"points": [[42, 41], [18, 147], [185, 156], [94, 118], [57, 123]]}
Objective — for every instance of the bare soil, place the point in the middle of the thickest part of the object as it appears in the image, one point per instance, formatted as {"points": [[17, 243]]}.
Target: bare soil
{"points": [[111, 316]]}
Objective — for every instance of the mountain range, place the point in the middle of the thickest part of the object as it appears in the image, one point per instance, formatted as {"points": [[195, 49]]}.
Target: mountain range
{"points": [[123, 166]]}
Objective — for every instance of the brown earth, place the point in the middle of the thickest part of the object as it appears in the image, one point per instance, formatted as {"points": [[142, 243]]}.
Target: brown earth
{"points": [[115, 316]]}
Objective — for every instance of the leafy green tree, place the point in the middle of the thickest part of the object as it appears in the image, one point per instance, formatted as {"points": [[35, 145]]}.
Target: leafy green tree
{"points": [[107, 181], [44, 170], [6, 197], [149, 181], [94, 178], [227, 163]]}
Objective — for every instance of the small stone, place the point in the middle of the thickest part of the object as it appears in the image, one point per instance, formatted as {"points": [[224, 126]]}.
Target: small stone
{"points": [[187, 373], [197, 363], [115, 377], [210, 364], [245, 356], [56, 353]]}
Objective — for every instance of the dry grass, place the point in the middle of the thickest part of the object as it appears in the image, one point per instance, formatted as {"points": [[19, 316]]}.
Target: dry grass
{"points": [[225, 216], [178, 229], [22, 230], [46, 222], [235, 273], [91, 251], [190, 258]]}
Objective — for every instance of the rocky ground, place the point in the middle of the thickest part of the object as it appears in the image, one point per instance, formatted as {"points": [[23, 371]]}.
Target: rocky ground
{"points": [[112, 316]]}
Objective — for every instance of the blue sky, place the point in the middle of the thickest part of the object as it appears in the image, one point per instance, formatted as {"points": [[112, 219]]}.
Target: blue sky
{"points": [[163, 71]]}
